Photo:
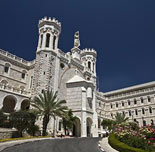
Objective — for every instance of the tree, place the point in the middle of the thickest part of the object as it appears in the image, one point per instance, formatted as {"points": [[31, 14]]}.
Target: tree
{"points": [[3, 117], [48, 105], [68, 120], [107, 123], [21, 120], [120, 118]]}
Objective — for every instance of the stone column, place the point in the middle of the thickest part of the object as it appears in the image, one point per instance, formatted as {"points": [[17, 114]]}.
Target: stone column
{"points": [[44, 41], [51, 42], [95, 118], [83, 114]]}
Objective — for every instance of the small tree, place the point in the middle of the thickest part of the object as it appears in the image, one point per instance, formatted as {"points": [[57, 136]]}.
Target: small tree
{"points": [[22, 120], [108, 123], [3, 117], [68, 121]]}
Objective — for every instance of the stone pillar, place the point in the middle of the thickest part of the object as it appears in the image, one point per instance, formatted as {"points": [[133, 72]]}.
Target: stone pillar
{"points": [[18, 106], [95, 118], [83, 114], [51, 42], [44, 41]]}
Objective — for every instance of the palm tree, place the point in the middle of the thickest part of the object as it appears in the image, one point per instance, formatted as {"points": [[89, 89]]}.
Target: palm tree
{"points": [[48, 105], [69, 120], [120, 118]]}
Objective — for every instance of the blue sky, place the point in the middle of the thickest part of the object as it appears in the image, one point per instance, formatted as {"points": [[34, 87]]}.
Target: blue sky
{"points": [[121, 31]]}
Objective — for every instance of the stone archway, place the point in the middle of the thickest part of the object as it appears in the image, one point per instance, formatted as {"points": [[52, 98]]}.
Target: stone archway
{"points": [[77, 128], [89, 127], [25, 105], [9, 104]]}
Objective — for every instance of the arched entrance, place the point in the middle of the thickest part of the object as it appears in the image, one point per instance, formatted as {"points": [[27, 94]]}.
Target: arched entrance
{"points": [[77, 128], [25, 105], [89, 125], [9, 103]]}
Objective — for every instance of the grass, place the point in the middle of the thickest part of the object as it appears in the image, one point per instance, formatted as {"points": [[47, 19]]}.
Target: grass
{"points": [[22, 138]]}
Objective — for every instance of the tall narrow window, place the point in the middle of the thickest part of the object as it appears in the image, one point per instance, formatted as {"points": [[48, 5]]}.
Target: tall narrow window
{"points": [[122, 104], [129, 112], [111, 106], [129, 102], [60, 123], [143, 111], [152, 122], [54, 40], [47, 39], [89, 65], [150, 110], [136, 112], [116, 105], [149, 99], [142, 101], [144, 123], [41, 41], [135, 101]]}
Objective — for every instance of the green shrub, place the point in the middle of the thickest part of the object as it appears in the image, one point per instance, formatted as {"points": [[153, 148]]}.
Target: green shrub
{"points": [[121, 147]]}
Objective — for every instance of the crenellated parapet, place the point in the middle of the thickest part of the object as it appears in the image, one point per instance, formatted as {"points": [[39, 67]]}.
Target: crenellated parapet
{"points": [[89, 51], [50, 22]]}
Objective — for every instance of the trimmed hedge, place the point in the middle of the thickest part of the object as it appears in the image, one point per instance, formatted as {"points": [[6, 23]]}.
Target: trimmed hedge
{"points": [[121, 147]]}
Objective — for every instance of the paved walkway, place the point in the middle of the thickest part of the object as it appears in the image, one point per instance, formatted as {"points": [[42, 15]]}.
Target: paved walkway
{"points": [[4, 145], [105, 145]]}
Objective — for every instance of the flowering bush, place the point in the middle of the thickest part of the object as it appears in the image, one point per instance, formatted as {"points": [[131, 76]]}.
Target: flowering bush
{"points": [[138, 137]]}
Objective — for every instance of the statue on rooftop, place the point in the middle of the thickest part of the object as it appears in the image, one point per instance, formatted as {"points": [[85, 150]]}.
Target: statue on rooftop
{"points": [[76, 39]]}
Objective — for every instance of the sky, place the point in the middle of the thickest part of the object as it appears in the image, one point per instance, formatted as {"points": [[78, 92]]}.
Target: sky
{"points": [[121, 31]]}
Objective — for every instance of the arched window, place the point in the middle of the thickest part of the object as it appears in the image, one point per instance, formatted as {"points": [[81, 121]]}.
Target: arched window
{"points": [[47, 39], [152, 122], [122, 104], [111, 105], [89, 65], [41, 40], [143, 111], [6, 68], [150, 110], [129, 102], [116, 105], [93, 67], [144, 123], [54, 40]]}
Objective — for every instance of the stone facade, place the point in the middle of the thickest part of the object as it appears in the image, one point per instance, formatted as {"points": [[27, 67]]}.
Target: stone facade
{"points": [[73, 75]]}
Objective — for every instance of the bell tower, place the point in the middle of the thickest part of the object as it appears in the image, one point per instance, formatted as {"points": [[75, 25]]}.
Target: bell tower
{"points": [[46, 55], [49, 31]]}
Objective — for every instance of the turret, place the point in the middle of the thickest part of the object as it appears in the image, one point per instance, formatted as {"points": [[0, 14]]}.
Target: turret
{"points": [[49, 31], [88, 57]]}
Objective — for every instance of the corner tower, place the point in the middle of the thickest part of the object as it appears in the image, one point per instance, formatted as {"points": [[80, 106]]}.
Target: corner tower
{"points": [[46, 55], [88, 57]]}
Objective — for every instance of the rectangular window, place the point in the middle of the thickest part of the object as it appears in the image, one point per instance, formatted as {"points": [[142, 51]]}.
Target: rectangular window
{"points": [[23, 75], [6, 69]]}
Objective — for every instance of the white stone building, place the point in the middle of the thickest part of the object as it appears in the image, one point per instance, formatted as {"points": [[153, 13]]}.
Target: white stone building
{"points": [[73, 75]]}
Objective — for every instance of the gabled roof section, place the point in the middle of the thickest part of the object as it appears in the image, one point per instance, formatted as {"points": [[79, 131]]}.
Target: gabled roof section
{"points": [[76, 78]]}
